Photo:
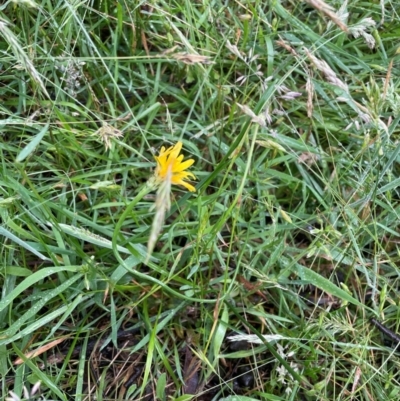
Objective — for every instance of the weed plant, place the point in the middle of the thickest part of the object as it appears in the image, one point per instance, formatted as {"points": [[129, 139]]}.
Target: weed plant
{"points": [[261, 284]]}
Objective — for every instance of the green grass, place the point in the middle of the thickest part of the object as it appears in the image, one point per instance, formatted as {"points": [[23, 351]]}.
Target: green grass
{"points": [[292, 231]]}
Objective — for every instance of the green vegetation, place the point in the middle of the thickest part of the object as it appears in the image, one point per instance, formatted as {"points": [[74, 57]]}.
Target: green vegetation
{"points": [[291, 112]]}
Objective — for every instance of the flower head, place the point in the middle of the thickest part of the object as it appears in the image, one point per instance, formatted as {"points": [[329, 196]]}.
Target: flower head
{"points": [[171, 167], [106, 133]]}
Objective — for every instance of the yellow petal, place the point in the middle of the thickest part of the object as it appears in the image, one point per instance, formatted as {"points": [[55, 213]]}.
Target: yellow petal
{"points": [[175, 150], [183, 166], [182, 175], [191, 188], [171, 167]]}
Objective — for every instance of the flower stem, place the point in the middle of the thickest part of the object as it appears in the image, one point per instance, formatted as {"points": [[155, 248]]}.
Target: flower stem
{"points": [[142, 193]]}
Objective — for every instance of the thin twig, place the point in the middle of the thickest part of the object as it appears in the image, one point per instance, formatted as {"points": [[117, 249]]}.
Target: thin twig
{"points": [[391, 334]]}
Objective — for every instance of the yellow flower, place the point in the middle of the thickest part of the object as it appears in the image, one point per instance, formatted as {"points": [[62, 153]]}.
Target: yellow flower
{"points": [[170, 166]]}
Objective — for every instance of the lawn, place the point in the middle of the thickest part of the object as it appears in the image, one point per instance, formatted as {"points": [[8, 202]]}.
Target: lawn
{"points": [[199, 200]]}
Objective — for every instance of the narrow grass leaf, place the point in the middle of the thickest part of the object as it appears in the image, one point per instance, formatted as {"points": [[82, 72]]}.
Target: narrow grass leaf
{"points": [[43, 377], [28, 149], [32, 280], [392, 158], [327, 286], [220, 332], [114, 326], [121, 271], [160, 389], [24, 244], [71, 306], [20, 55], [81, 369], [160, 325], [17, 271], [35, 326], [42, 349], [30, 313], [388, 187], [185, 397], [149, 356], [239, 398], [296, 144], [88, 236], [3, 360], [271, 348], [130, 392]]}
